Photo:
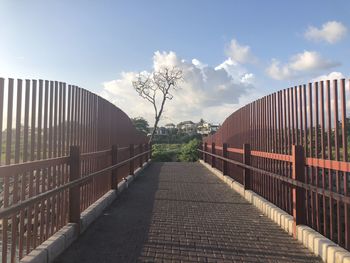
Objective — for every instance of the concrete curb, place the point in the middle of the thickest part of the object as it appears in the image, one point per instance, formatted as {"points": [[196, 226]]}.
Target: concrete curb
{"points": [[63, 238], [321, 246]]}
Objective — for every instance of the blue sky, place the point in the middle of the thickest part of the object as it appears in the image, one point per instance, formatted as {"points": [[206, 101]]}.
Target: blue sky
{"points": [[262, 46]]}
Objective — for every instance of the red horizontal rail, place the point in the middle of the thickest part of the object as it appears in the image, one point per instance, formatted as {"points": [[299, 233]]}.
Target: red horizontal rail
{"points": [[272, 156], [9, 170], [314, 162], [8, 211], [235, 150], [85, 156], [328, 164], [334, 195]]}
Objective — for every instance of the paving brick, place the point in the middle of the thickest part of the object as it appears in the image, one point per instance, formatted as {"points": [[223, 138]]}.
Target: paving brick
{"points": [[180, 212]]}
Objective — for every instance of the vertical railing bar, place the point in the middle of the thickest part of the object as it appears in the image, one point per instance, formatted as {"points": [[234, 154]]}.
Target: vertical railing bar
{"points": [[293, 109], [285, 137], [323, 156], [59, 153], [89, 145], [306, 147], [301, 138], [33, 156], [271, 140], [309, 173], [329, 154], [64, 167], [24, 175], [51, 154], [337, 155], [68, 137], [274, 112], [302, 141], [264, 182], [280, 145], [315, 170], [40, 182], [14, 224], [289, 139], [2, 88], [295, 89], [55, 145], [48, 152], [83, 146], [6, 183], [345, 159]]}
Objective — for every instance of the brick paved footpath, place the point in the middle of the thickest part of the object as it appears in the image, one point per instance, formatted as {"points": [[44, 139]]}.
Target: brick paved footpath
{"points": [[180, 212]]}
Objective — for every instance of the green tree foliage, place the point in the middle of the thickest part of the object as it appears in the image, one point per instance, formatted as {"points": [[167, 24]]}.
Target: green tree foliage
{"points": [[176, 137], [141, 124], [189, 151]]}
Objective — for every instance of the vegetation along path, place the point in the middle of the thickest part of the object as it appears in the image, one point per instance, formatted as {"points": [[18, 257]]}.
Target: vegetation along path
{"points": [[180, 212]]}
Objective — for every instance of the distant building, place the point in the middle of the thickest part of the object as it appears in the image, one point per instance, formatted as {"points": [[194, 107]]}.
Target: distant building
{"points": [[187, 127], [170, 126], [159, 131], [206, 128]]}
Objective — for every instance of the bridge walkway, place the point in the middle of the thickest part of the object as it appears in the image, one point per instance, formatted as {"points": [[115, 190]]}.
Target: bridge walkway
{"points": [[180, 212]]}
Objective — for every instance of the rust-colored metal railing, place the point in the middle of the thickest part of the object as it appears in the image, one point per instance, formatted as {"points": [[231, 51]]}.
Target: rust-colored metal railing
{"points": [[40, 121], [314, 117]]}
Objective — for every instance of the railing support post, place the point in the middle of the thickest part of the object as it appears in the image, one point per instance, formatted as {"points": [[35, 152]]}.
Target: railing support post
{"points": [[205, 154], [246, 172], [298, 174], [225, 155], [131, 163], [74, 192], [114, 173], [141, 157], [213, 152]]}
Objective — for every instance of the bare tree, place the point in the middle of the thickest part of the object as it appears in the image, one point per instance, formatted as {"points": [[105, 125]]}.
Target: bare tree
{"points": [[156, 87]]}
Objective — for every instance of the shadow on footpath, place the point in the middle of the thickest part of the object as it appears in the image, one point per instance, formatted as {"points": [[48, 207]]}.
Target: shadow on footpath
{"points": [[119, 233]]}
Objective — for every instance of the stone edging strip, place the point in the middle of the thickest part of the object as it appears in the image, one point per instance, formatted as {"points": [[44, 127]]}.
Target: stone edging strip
{"points": [[63, 238], [321, 246]]}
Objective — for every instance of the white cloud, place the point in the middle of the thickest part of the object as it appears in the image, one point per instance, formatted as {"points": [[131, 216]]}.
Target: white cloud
{"points": [[240, 53], [330, 76], [330, 32], [308, 62], [207, 92]]}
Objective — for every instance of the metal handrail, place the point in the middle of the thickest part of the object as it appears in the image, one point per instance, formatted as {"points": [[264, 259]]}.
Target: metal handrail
{"points": [[336, 196], [8, 211]]}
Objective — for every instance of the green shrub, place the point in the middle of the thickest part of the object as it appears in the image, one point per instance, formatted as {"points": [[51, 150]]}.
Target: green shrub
{"points": [[165, 152], [176, 152], [189, 151]]}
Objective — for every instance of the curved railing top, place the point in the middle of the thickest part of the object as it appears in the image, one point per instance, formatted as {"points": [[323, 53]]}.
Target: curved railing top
{"points": [[295, 112], [60, 115]]}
